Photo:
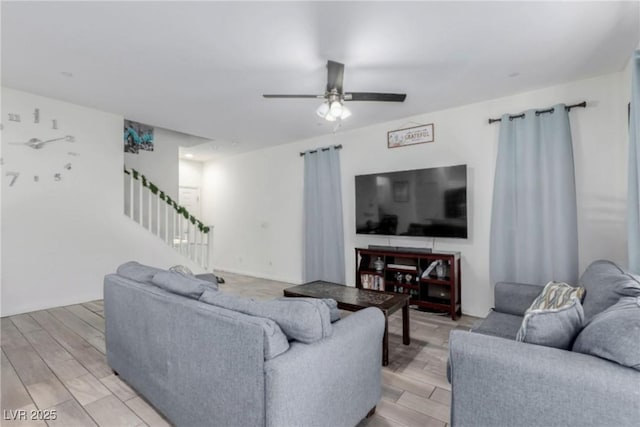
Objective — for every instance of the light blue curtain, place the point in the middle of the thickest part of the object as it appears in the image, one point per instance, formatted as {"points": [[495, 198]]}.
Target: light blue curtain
{"points": [[633, 189], [534, 232], [323, 233]]}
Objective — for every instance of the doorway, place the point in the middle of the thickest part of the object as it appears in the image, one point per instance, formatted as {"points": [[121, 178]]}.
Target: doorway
{"points": [[189, 197]]}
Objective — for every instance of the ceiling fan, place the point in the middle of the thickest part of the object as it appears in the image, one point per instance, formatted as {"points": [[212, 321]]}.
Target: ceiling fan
{"points": [[333, 108]]}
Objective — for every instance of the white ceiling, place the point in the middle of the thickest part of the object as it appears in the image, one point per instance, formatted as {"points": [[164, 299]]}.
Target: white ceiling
{"points": [[201, 67]]}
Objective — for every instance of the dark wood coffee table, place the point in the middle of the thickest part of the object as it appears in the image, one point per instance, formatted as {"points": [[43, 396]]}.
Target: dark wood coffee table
{"points": [[354, 299]]}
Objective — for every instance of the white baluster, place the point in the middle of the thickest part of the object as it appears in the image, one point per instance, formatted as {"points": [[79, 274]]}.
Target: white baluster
{"points": [[131, 198], [149, 211], [189, 239], [140, 187], [196, 248], [209, 243], [157, 215], [180, 233], [203, 261], [174, 227], [166, 223]]}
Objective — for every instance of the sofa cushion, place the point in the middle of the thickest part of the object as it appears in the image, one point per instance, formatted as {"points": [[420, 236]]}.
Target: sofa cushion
{"points": [[554, 318], [605, 283], [303, 319], [614, 334], [133, 270], [178, 283], [501, 325]]}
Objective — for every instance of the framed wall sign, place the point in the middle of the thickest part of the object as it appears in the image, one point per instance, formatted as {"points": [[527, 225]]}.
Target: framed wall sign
{"points": [[409, 136]]}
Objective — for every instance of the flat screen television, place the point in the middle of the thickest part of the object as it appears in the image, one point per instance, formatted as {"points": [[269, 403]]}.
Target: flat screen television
{"points": [[422, 202]]}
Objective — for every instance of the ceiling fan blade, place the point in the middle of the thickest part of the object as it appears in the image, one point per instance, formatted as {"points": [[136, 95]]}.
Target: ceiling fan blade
{"points": [[335, 76], [375, 96], [293, 96]]}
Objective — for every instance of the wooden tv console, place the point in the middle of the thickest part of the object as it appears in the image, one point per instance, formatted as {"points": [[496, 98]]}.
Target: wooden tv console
{"points": [[406, 272]]}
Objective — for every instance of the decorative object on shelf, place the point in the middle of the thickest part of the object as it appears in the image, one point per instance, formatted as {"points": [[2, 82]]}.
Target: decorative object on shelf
{"points": [[378, 265], [441, 270], [434, 264], [181, 210], [137, 136], [410, 136], [399, 277], [408, 278]]}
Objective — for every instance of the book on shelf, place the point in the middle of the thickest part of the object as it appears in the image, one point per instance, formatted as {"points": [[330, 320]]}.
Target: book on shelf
{"points": [[372, 281], [403, 267]]}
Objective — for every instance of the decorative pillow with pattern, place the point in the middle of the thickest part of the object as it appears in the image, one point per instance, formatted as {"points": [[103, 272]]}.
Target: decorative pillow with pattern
{"points": [[554, 318]]}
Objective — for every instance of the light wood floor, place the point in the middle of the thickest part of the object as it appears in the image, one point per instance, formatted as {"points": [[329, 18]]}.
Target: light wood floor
{"points": [[55, 360]]}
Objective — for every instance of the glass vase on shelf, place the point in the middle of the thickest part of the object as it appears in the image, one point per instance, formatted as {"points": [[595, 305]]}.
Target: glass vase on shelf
{"points": [[378, 265]]}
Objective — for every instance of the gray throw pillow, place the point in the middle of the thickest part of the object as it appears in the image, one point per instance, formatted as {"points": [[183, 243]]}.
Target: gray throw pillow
{"points": [[554, 318], [302, 319], [209, 277], [605, 283], [182, 269], [614, 334], [334, 312], [133, 270], [180, 284]]}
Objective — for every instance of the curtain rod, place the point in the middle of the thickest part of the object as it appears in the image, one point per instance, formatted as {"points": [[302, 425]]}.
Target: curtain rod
{"points": [[337, 147], [583, 104]]}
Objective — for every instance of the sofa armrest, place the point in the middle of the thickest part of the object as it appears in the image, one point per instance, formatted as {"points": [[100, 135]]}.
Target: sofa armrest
{"points": [[515, 298], [499, 382], [334, 381]]}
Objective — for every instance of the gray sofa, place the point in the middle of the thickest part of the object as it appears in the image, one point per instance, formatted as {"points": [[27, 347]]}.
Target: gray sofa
{"points": [[497, 381], [204, 365]]}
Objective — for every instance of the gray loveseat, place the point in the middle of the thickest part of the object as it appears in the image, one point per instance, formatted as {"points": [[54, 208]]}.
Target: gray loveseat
{"points": [[203, 365], [497, 381]]}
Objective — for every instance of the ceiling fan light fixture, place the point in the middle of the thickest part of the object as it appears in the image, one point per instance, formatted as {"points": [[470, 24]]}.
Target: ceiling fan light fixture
{"points": [[330, 117], [323, 109], [345, 113], [336, 108]]}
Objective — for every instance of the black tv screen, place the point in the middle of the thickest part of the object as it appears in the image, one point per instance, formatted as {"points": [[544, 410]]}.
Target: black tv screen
{"points": [[421, 202]]}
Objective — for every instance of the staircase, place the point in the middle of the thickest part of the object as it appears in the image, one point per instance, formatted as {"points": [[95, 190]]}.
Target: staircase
{"points": [[154, 210]]}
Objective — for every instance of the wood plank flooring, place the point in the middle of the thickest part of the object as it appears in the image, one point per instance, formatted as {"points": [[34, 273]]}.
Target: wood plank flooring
{"points": [[55, 359]]}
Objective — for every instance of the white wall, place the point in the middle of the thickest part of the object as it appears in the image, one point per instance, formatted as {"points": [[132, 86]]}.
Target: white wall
{"points": [[255, 200], [60, 238], [190, 173]]}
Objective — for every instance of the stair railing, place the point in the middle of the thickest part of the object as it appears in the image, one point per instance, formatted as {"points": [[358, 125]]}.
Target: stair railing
{"points": [[154, 210]]}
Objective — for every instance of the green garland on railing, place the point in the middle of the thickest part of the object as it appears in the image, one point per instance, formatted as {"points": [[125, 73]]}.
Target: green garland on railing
{"points": [[180, 210]]}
